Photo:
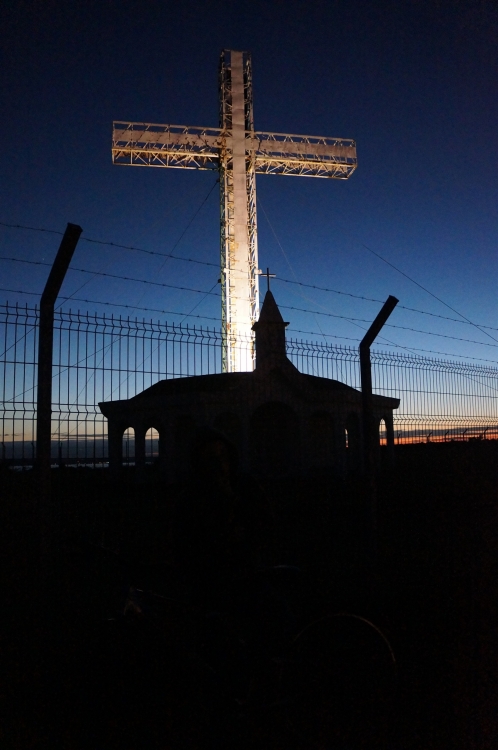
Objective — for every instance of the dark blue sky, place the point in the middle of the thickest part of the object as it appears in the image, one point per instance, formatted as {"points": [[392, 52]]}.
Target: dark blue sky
{"points": [[414, 83]]}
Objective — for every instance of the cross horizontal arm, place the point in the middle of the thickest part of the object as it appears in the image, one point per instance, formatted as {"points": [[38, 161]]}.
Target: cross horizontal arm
{"points": [[304, 155], [145, 144]]}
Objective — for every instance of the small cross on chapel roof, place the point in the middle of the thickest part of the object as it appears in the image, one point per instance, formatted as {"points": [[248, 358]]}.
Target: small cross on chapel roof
{"points": [[268, 276]]}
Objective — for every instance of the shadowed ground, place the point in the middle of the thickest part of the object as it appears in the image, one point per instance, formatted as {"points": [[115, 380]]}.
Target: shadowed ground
{"points": [[72, 682]]}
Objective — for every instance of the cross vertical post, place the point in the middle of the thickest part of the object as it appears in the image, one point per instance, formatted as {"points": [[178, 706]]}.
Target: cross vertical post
{"points": [[239, 249]]}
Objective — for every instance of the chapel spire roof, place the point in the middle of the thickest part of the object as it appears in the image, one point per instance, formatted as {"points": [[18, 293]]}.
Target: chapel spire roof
{"points": [[270, 312], [270, 333]]}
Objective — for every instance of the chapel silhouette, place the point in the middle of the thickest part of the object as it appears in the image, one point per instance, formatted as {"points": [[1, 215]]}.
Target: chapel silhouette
{"points": [[281, 421]]}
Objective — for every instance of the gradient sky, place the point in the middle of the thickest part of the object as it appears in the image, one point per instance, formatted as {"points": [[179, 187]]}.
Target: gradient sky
{"points": [[414, 83]]}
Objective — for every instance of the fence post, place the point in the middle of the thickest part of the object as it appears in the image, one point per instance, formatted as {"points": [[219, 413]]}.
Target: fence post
{"points": [[47, 517], [45, 352], [368, 422]]}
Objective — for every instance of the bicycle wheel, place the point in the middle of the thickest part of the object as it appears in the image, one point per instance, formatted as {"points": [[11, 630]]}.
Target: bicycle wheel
{"points": [[339, 683]]}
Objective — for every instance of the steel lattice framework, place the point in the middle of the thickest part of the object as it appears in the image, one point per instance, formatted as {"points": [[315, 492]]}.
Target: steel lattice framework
{"points": [[238, 152]]}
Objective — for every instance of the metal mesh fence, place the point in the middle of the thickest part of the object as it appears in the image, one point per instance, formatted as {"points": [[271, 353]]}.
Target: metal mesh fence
{"points": [[101, 357]]}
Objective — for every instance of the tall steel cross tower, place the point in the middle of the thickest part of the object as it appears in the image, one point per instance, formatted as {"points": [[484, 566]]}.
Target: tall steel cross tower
{"points": [[238, 152]]}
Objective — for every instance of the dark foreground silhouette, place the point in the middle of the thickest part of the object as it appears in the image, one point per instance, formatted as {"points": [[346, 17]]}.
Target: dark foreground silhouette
{"points": [[93, 683]]}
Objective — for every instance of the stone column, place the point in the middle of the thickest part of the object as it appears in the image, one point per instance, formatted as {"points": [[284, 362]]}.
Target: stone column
{"points": [[340, 446], [389, 420], [166, 447], [115, 445], [244, 445], [140, 432]]}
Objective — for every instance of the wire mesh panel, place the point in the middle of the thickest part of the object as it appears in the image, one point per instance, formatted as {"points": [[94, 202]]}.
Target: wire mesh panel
{"points": [[326, 361], [439, 399], [96, 358], [104, 357], [18, 358]]}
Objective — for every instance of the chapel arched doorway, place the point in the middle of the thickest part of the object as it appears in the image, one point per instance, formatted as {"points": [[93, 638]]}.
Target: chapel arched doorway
{"points": [[274, 440], [151, 446], [184, 429], [230, 425], [321, 441], [353, 442]]}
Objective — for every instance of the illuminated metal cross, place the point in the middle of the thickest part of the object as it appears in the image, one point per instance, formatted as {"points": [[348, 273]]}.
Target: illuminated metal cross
{"points": [[238, 152]]}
